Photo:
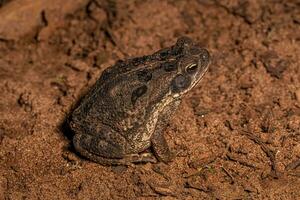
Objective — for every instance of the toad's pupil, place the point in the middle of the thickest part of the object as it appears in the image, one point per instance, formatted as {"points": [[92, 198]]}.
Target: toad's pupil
{"points": [[192, 68]]}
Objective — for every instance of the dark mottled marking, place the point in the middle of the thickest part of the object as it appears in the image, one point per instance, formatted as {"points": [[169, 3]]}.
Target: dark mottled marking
{"points": [[121, 63], [139, 60], [136, 62], [170, 66], [176, 50], [144, 75], [164, 53], [137, 93]]}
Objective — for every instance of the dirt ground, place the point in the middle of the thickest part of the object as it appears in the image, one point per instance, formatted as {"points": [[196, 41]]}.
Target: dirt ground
{"points": [[236, 135]]}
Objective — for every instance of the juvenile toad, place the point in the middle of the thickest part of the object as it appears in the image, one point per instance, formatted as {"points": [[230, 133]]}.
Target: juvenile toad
{"points": [[128, 108]]}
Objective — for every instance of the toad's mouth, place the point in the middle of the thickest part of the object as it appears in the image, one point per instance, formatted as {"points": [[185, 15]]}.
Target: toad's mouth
{"points": [[200, 76]]}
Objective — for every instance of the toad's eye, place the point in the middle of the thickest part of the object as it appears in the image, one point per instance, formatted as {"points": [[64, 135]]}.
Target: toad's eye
{"points": [[191, 68]]}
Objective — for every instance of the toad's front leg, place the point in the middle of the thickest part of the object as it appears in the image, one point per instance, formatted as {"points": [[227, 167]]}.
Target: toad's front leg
{"points": [[161, 148], [158, 141]]}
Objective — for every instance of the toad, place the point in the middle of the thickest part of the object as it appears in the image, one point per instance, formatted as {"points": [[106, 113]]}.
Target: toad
{"points": [[126, 111]]}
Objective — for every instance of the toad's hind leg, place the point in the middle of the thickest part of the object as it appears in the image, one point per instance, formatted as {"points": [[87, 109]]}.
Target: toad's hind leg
{"points": [[107, 153]]}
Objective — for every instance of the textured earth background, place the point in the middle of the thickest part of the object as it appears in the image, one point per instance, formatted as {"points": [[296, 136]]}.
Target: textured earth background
{"points": [[236, 135]]}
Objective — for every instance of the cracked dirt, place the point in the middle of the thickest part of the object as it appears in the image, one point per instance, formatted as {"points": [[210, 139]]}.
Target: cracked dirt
{"points": [[236, 135]]}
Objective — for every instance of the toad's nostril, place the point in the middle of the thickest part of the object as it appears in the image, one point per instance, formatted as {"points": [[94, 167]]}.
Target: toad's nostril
{"points": [[205, 57]]}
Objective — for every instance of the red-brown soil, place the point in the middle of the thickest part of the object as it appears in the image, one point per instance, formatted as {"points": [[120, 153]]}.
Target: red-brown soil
{"points": [[236, 135]]}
